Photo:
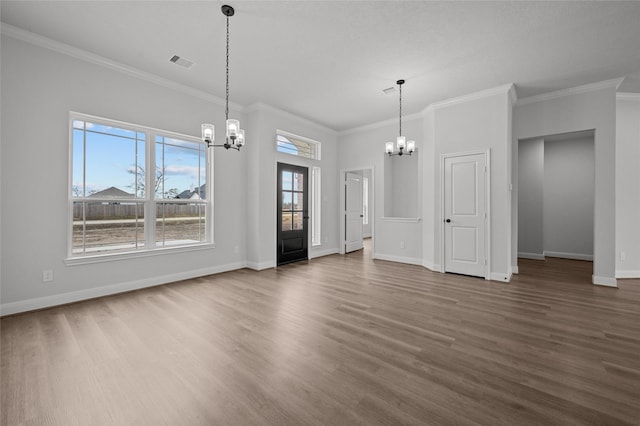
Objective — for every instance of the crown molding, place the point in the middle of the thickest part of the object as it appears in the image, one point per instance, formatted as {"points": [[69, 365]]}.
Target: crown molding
{"points": [[499, 90], [626, 96], [74, 52], [261, 106], [379, 124], [614, 83], [513, 94], [507, 88]]}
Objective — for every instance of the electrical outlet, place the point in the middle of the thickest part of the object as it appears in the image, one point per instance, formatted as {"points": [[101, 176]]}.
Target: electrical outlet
{"points": [[623, 256], [401, 244], [47, 275]]}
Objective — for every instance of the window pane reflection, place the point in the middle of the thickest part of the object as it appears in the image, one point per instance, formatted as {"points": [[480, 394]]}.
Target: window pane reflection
{"points": [[297, 220], [286, 222], [287, 178]]}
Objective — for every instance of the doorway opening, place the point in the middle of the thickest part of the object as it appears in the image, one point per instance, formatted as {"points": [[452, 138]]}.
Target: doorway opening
{"points": [[357, 206], [556, 197]]}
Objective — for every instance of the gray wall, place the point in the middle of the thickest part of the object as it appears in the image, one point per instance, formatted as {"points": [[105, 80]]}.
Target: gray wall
{"points": [[363, 148], [530, 198], [401, 186], [39, 88], [262, 174], [569, 178], [628, 186], [477, 124], [593, 109]]}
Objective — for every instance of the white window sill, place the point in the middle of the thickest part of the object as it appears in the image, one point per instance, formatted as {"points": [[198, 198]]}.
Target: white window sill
{"points": [[124, 255]]}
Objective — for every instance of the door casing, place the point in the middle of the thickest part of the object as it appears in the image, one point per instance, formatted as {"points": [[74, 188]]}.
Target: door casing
{"points": [[372, 189], [355, 215], [303, 234]]}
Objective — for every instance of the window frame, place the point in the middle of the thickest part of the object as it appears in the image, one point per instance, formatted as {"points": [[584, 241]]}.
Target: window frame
{"points": [[149, 200], [316, 206]]}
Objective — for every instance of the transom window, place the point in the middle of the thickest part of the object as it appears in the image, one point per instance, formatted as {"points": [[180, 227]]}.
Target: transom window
{"points": [[288, 143], [135, 188]]}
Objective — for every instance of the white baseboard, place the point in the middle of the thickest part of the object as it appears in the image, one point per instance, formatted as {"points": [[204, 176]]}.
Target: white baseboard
{"points": [[430, 266], [400, 259], [259, 266], [627, 274], [534, 256], [319, 253], [500, 276], [604, 281], [575, 256], [91, 293]]}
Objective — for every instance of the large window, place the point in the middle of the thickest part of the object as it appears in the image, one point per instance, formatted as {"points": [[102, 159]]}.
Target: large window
{"points": [[134, 188]]}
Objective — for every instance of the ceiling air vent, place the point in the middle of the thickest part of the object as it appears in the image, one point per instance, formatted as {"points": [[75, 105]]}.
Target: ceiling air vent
{"points": [[183, 62], [389, 90]]}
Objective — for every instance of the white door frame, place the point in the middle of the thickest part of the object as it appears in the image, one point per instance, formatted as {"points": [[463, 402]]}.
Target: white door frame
{"points": [[341, 214], [487, 222]]}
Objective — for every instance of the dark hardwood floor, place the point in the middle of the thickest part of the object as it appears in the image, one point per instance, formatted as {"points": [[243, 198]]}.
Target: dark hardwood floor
{"points": [[339, 340]]}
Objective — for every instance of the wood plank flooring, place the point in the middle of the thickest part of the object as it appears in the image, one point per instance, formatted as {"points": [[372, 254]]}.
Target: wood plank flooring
{"points": [[339, 340]]}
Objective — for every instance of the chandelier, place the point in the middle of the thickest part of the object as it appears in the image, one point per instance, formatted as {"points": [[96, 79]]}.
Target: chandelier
{"points": [[234, 134], [404, 146]]}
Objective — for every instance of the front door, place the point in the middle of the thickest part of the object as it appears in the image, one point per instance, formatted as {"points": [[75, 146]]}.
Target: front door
{"points": [[353, 212], [465, 214], [293, 214]]}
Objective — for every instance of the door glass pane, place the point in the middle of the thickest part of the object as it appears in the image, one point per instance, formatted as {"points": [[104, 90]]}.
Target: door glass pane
{"points": [[286, 221], [286, 200], [297, 201], [297, 220], [298, 181], [287, 178]]}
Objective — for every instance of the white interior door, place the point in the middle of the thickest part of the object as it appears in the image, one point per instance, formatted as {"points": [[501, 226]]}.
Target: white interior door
{"points": [[465, 214], [353, 212]]}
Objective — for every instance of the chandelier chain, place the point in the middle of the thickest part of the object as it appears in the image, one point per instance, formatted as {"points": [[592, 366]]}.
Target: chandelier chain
{"points": [[226, 110], [400, 121]]}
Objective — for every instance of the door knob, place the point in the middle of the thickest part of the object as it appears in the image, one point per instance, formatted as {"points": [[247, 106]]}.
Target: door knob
{"points": [[448, 220]]}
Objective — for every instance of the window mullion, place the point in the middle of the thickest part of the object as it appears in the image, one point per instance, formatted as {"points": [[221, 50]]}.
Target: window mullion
{"points": [[149, 196]]}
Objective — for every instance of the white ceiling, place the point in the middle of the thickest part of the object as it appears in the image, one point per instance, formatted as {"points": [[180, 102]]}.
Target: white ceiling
{"points": [[329, 60]]}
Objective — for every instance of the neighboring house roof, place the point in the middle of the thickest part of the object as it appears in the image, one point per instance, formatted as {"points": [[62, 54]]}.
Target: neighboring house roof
{"points": [[112, 192], [198, 193], [184, 195]]}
